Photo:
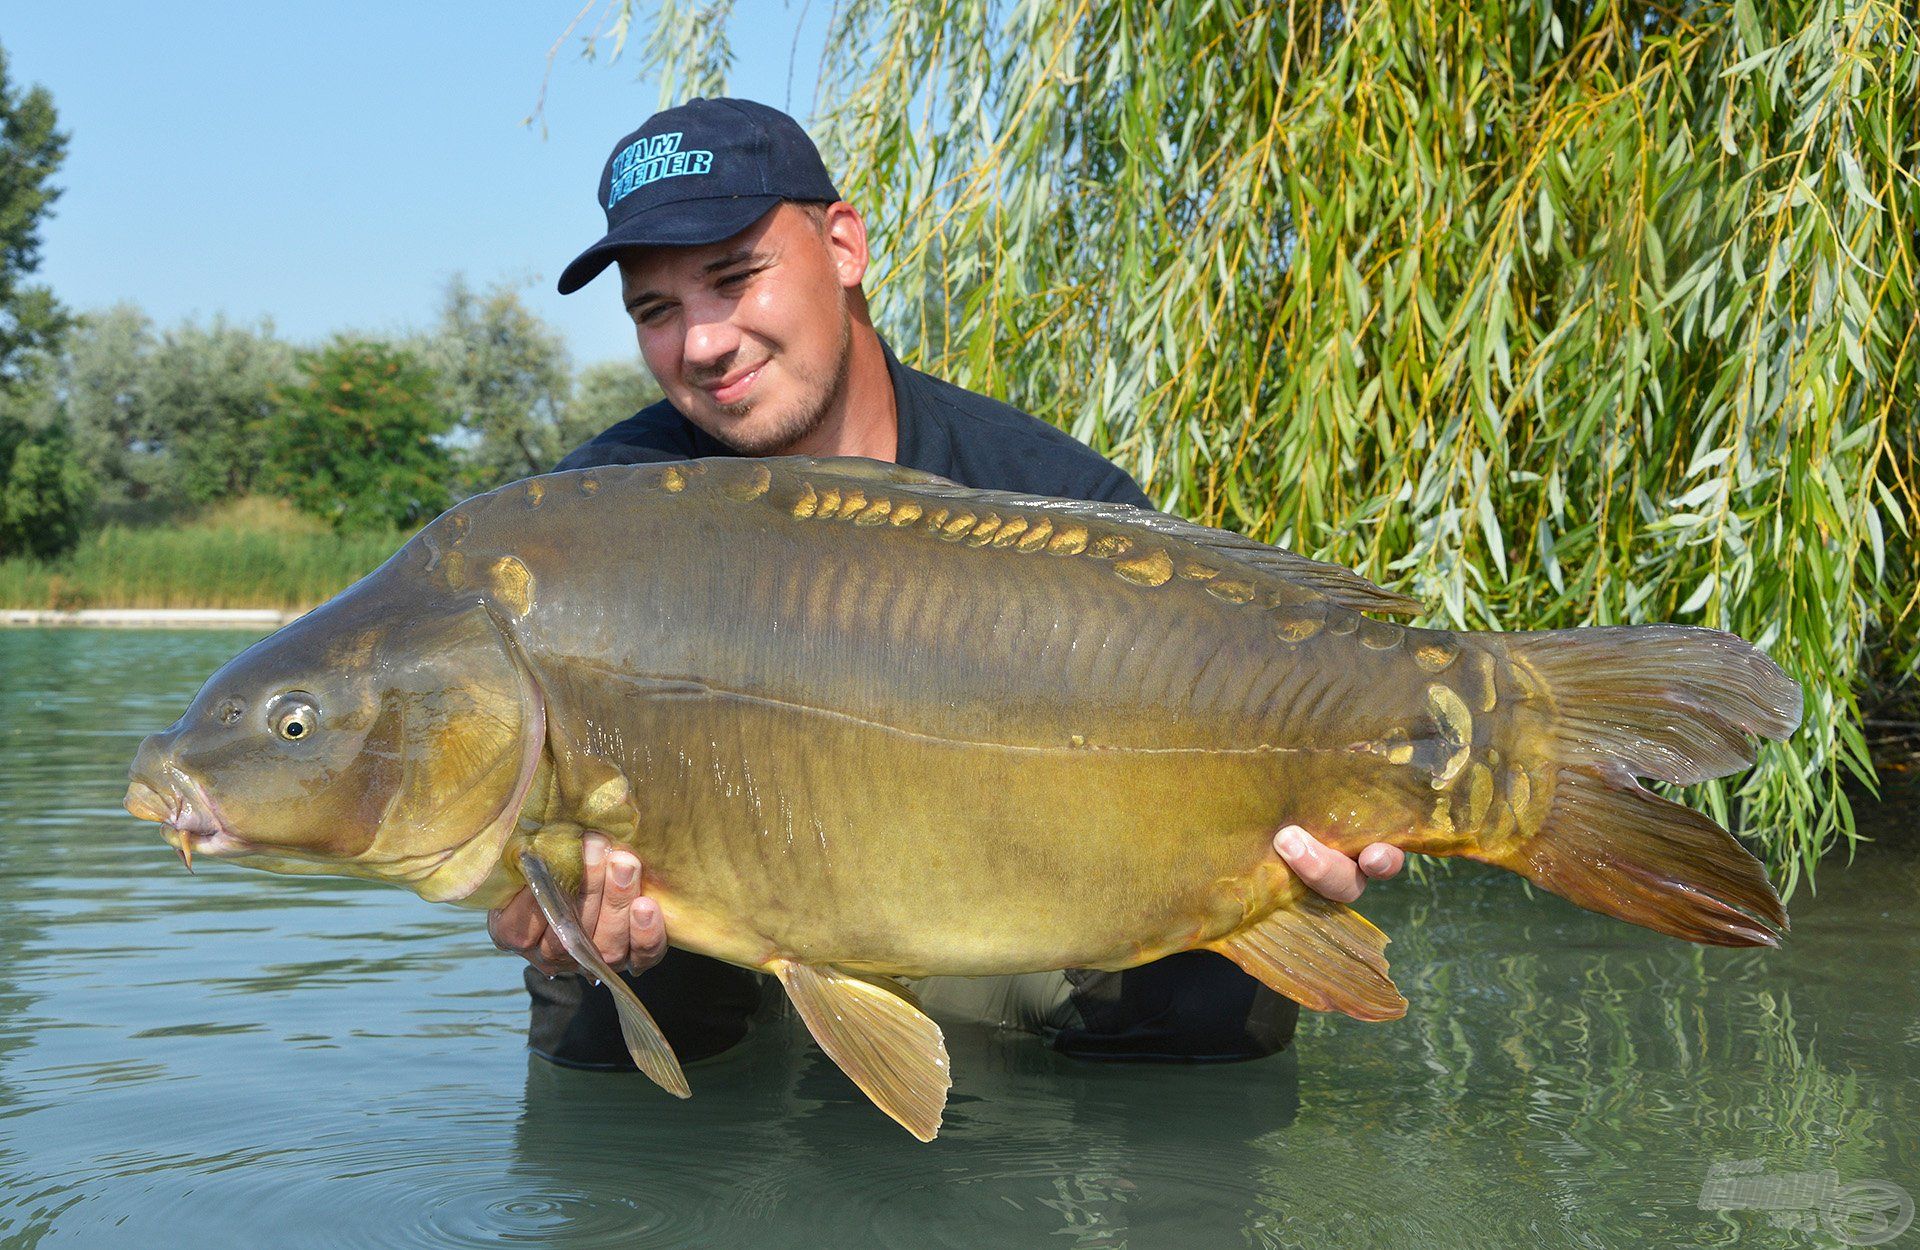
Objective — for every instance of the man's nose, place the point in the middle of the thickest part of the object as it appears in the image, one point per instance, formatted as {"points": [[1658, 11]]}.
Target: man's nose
{"points": [[710, 340]]}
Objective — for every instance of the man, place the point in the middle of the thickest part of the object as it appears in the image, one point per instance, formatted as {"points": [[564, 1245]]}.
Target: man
{"points": [[741, 269]]}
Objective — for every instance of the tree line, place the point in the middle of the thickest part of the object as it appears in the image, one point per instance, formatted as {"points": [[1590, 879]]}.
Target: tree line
{"points": [[362, 432]]}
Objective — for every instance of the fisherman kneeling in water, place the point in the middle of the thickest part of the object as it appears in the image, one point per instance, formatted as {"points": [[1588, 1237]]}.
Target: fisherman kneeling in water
{"points": [[741, 269]]}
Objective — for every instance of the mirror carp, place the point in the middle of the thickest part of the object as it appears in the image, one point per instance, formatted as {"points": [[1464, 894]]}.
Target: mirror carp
{"points": [[859, 723]]}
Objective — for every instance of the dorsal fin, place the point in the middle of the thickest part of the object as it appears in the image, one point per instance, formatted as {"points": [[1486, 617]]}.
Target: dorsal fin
{"points": [[870, 470], [1343, 586]]}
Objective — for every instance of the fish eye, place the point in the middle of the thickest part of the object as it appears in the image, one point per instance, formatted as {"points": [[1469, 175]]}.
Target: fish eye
{"points": [[296, 717]]}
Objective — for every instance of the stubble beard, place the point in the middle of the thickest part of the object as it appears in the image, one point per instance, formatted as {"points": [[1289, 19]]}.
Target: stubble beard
{"points": [[817, 392]]}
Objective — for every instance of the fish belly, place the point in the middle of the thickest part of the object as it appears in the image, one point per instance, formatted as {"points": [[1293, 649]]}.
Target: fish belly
{"points": [[774, 831], [873, 848]]}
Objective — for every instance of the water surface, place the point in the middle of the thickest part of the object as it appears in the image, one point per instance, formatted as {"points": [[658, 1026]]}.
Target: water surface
{"points": [[236, 1059]]}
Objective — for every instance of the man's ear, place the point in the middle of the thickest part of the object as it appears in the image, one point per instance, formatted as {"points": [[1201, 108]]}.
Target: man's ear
{"points": [[846, 235]]}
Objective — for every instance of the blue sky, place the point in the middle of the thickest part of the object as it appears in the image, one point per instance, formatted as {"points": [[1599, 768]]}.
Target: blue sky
{"points": [[331, 165]]}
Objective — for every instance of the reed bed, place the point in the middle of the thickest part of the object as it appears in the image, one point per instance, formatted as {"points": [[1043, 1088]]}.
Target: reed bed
{"points": [[252, 553]]}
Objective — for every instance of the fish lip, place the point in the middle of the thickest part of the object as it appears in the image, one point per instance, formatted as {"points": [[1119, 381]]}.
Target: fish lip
{"points": [[146, 803], [196, 820], [218, 845]]}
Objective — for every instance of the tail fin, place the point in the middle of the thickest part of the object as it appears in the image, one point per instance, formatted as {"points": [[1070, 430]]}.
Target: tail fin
{"points": [[1612, 847], [1668, 702]]}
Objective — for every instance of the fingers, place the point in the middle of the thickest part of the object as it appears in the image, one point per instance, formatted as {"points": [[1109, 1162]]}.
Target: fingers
{"points": [[1324, 869], [624, 926], [648, 935], [519, 929], [612, 930], [551, 955], [1382, 860], [593, 877]]}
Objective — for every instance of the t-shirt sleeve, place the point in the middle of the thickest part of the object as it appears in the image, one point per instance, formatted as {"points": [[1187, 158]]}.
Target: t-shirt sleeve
{"points": [[1119, 487], [599, 455], [654, 435], [1194, 1005], [702, 1005]]}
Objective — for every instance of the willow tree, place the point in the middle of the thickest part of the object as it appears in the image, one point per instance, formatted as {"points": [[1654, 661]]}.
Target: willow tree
{"points": [[1551, 314]]}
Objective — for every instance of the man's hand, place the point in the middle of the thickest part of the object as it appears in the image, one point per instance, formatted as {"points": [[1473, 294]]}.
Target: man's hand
{"points": [[625, 925], [1331, 873]]}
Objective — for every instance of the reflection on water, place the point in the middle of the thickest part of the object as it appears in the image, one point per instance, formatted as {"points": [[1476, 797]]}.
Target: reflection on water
{"points": [[232, 1058]]}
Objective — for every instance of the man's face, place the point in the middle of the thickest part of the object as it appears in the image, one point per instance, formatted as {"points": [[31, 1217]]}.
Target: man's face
{"points": [[750, 337]]}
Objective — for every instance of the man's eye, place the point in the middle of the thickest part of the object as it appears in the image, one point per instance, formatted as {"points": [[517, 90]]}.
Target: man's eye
{"points": [[650, 315], [734, 281]]}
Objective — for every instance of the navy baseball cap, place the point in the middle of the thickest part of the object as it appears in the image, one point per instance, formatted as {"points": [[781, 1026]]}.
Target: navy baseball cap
{"points": [[698, 173]]}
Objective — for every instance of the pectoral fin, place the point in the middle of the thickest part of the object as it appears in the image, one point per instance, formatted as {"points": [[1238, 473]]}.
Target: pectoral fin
{"points": [[1322, 954], [645, 1042], [878, 1035]]}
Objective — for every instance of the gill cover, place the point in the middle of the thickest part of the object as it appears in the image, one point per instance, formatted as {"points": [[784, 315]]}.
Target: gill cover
{"points": [[459, 734]]}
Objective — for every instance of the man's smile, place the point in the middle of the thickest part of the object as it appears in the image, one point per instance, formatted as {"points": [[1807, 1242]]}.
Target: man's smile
{"points": [[732, 388]]}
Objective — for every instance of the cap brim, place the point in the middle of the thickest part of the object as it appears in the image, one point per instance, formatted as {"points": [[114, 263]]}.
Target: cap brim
{"points": [[687, 223]]}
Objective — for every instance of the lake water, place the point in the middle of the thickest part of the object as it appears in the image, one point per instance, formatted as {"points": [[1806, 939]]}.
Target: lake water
{"points": [[238, 1059]]}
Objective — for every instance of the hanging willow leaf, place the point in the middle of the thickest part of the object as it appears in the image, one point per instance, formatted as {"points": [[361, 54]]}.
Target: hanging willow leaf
{"points": [[1389, 281]]}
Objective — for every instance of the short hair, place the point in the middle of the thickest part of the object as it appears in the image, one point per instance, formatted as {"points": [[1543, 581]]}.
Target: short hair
{"points": [[816, 211]]}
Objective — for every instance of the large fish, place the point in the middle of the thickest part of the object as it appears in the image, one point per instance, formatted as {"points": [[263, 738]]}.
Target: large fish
{"points": [[861, 723]]}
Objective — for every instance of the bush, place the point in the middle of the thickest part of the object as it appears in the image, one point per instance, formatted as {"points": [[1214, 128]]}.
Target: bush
{"points": [[359, 441], [45, 492], [1550, 314]]}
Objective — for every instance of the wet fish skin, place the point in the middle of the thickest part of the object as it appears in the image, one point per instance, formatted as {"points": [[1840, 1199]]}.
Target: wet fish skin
{"points": [[859, 723]]}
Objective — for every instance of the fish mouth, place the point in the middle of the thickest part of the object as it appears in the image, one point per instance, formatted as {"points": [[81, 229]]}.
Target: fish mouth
{"points": [[193, 824]]}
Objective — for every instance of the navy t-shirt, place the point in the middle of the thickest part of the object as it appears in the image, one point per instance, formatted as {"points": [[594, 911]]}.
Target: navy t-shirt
{"points": [[973, 440], [1193, 1005]]}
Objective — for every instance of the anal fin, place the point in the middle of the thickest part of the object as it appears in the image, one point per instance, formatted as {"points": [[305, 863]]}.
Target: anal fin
{"points": [[1322, 954], [880, 1038], [645, 1042]]}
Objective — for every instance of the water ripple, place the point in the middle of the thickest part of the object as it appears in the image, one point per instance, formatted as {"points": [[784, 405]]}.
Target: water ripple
{"points": [[234, 1059]]}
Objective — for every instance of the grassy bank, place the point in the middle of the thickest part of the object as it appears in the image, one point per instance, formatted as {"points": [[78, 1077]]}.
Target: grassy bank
{"points": [[252, 553]]}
